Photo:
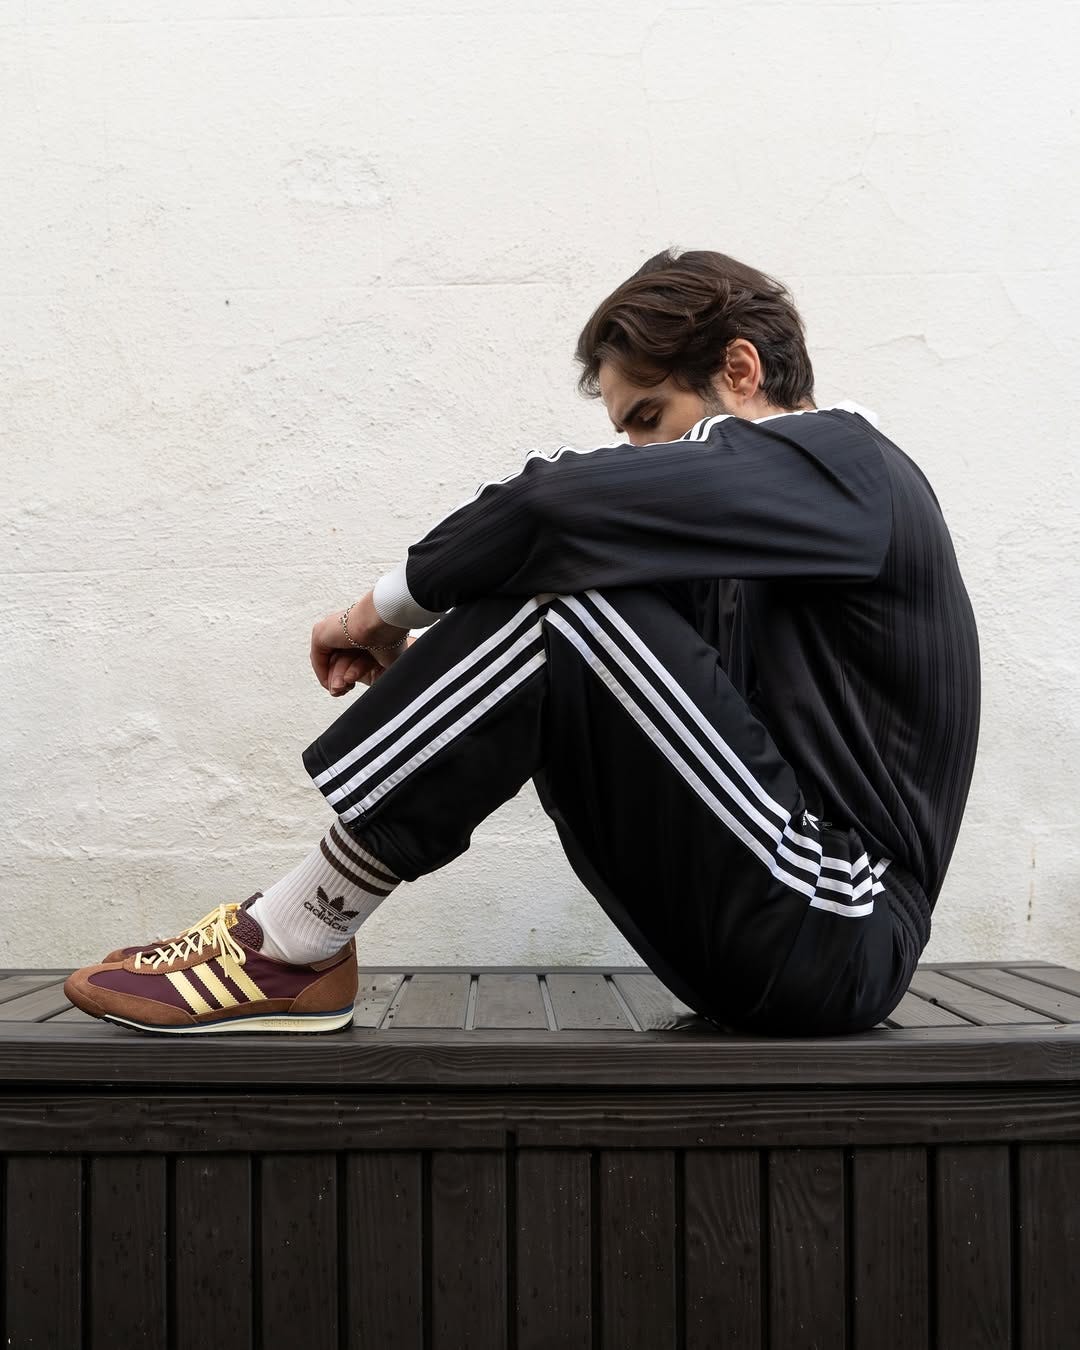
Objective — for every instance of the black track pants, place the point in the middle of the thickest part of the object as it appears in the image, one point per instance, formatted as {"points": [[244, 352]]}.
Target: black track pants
{"points": [[675, 808]]}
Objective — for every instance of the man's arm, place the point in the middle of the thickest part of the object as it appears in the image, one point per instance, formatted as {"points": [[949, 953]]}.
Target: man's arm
{"points": [[751, 500]]}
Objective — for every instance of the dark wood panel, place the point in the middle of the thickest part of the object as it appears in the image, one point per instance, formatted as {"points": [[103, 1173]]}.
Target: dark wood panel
{"points": [[297, 1293], [15, 986], [1058, 977], [373, 997], [636, 1228], [806, 1249], [553, 1303], [62, 973], [383, 1254], [468, 1251], [655, 1006], [34, 1005], [431, 1001], [768, 1117], [973, 1273], [1030, 994], [975, 1004], [72, 1014], [913, 1011], [212, 1243], [584, 1002], [1048, 1211], [43, 1275], [126, 1253], [88, 1055], [889, 1278], [981, 965], [723, 1244], [510, 1001]]}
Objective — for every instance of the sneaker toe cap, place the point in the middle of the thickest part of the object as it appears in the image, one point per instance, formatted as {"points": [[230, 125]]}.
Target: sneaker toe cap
{"points": [[106, 988]]}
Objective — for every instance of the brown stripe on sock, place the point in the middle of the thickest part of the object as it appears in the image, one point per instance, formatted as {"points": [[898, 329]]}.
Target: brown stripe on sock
{"points": [[340, 868], [377, 873]]}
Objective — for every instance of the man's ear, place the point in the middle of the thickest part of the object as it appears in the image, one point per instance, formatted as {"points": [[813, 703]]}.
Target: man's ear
{"points": [[741, 374]]}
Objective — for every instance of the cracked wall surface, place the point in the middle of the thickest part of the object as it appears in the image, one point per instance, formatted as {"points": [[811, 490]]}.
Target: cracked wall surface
{"points": [[281, 282]]}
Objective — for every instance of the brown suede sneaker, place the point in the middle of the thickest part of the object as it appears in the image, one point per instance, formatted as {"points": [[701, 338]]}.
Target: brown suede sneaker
{"points": [[216, 978]]}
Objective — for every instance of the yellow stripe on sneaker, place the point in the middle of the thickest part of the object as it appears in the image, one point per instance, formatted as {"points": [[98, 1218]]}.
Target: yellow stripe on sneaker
{"points": [[191, 996], [240, 976], [224, 995]]}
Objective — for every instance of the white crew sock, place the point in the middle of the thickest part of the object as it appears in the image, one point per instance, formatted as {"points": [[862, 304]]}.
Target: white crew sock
{"points": [[312, 912]]}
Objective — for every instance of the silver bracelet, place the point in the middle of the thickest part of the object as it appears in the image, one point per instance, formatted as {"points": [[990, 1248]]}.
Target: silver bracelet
{"points": [[382, 647]]}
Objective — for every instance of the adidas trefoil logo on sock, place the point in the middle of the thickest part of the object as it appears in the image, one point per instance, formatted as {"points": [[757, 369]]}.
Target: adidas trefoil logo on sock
{"points": [[331, 911]]}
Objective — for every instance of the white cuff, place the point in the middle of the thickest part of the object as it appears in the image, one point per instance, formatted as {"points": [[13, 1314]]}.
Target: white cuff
{"points": [[394, 603]]}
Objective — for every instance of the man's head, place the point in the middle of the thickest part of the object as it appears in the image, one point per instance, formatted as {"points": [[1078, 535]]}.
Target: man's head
{"points": [[689, 336]]}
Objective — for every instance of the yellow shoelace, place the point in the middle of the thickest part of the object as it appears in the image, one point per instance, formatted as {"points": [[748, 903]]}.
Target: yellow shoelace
{"points": [[211, 931]]}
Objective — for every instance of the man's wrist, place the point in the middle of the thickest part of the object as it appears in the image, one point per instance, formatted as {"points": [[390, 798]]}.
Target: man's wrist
{"points": [[395, 604], [366, 628]]}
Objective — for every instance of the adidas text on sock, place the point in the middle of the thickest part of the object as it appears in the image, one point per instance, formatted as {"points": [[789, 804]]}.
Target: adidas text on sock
{"points": [[312, 912]]}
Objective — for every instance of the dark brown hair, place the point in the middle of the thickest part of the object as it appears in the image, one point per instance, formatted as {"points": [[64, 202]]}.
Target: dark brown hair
{"points": [[676, 315]]}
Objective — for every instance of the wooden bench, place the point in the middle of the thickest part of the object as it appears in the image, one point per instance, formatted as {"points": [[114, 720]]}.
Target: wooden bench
{"points": [[555, 1159]]}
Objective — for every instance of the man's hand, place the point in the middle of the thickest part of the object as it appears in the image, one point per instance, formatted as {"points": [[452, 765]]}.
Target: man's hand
{"points": [[338, 666]]}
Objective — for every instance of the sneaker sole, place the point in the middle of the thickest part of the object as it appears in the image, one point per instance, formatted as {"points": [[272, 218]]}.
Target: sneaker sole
{"points": [[304, 1022]]}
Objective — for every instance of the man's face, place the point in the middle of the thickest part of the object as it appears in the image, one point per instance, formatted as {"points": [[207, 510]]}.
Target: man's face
{"points": [[653, 413]]}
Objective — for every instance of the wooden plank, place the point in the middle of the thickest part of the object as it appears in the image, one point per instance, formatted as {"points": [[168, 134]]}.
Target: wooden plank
{"points": [[512, 970], [580, 1118], [14, 986], [423, 1058], [584, 1002], [1062, 1007], [553, 1294], [213, 1258], [806, 1248], [982, 965], [510, 1001], [298, 1264], [43, 1275], [373, 998], [638, 1278], [468, 1251], [1048, 1193], [913, 1011], [515, 970], [432, 1001], [383, 1255], [975, 1004], [973, 1274], [35, 1006], [52, 974], [890, 1249], [127, 1263], [723, 1240], [655, 1006], [72, 1014], [1058, 977]]}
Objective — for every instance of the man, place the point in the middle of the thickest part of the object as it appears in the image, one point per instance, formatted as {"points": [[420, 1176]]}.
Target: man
{"points": [[735, 655]]}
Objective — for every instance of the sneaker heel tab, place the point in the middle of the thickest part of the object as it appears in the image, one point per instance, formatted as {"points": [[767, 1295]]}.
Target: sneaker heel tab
{"points": [[336, 959]]}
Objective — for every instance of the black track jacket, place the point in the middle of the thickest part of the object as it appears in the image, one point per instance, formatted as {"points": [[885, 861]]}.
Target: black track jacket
{"points": [[809, 550]]}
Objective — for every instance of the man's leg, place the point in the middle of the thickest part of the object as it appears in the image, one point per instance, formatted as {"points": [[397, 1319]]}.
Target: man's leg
{"points": [[675, 807]]}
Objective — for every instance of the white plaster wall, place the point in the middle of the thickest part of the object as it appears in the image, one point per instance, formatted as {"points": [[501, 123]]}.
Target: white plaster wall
{"points": [[282, 280]]}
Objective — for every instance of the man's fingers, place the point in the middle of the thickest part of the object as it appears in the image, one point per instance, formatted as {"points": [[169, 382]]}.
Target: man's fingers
{"points": [[336, 672], [346, 671], [320, 664]]}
